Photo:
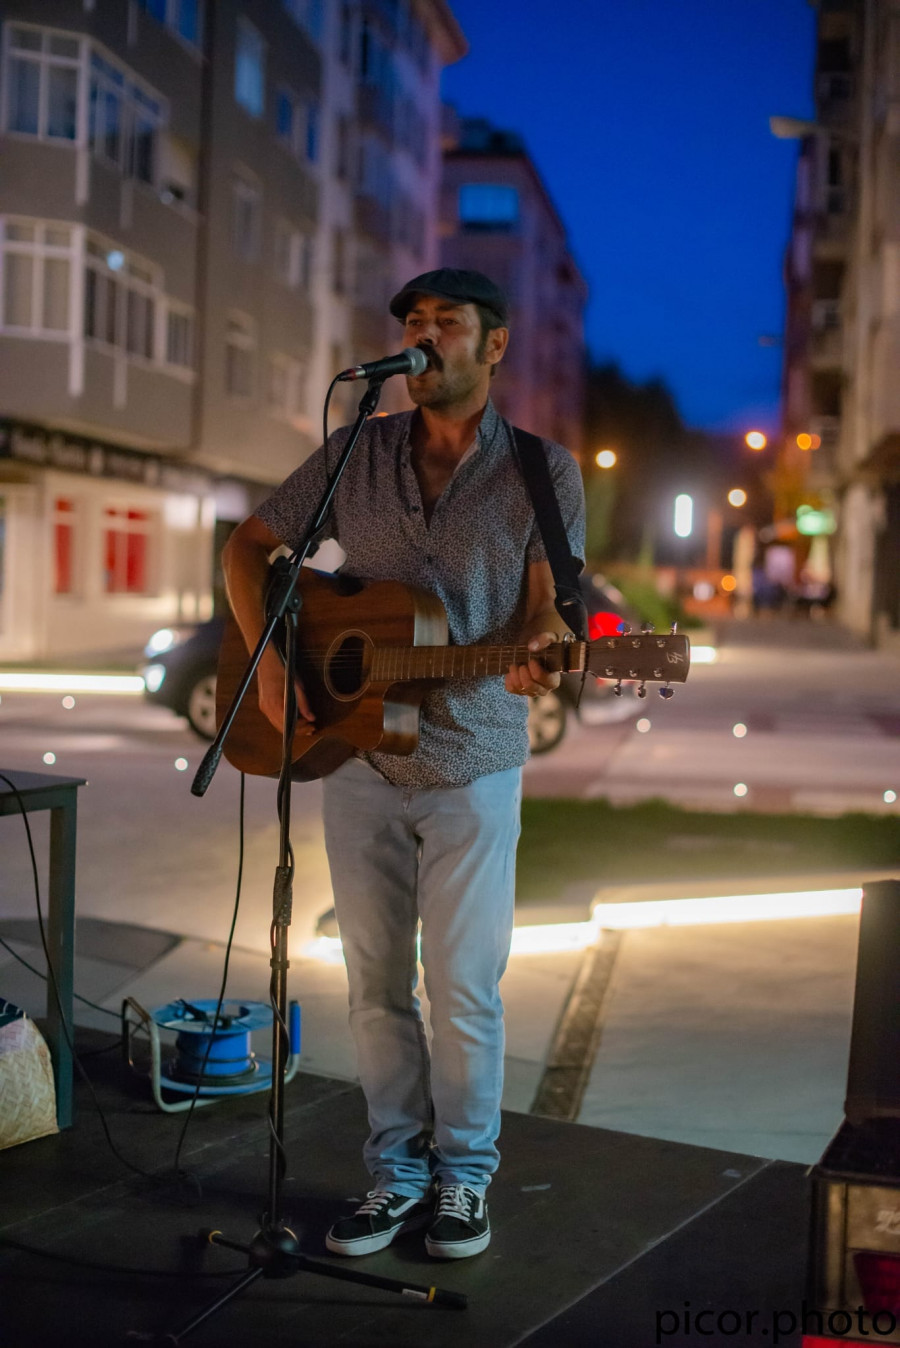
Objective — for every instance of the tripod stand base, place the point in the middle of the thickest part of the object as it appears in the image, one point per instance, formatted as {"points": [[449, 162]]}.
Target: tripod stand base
{"points": [[274, 1253]]}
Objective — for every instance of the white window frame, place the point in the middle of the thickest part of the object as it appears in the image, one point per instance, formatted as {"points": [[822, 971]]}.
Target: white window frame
{"points": [[137, 101], [39, 251], [135, 276], [253, 102], [45, 59], [241, 334], [183, 369]]}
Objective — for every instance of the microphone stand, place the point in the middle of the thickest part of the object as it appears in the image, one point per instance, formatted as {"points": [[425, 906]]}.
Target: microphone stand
{"points": [[274, 1251]]}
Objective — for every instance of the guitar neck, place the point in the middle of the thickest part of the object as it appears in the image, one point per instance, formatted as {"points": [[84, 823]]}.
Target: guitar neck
{"points": [[401, 664], [659, 659]]}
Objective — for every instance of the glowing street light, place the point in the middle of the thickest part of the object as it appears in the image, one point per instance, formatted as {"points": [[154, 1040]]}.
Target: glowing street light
{"points": [[684, 515], [606, 458], [737, 496], [755, 440]]}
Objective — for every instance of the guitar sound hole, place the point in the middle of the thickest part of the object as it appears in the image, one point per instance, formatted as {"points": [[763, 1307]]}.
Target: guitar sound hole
{"points": [[347, 666]]}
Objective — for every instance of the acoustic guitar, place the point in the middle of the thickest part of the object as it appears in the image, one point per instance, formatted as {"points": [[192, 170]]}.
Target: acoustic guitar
{"points": [[368, 654]]}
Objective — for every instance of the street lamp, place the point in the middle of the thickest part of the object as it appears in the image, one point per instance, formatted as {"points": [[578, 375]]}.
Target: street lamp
{"points": [[737, 496], [755, 440], [683, 523], [606, 458]]}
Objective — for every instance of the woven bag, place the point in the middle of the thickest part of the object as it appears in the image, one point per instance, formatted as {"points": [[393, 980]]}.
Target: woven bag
{"points": [[27, 1093]]}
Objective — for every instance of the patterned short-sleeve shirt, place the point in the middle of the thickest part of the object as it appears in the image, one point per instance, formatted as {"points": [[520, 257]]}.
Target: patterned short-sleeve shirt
{"points": [[473, 554]]}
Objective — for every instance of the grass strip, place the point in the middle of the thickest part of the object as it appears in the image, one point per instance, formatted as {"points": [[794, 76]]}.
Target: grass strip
{"points": [[566, 842]]}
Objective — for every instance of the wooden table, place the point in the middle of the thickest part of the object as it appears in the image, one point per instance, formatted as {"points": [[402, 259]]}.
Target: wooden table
{"points": [[46, 791]]}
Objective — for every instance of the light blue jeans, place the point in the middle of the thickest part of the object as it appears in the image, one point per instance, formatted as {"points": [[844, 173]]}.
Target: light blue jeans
{"points": [[446, 857]]}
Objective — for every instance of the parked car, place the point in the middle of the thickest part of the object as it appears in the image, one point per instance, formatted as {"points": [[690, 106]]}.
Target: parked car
{"points": [[548, 716], [180, 673]]}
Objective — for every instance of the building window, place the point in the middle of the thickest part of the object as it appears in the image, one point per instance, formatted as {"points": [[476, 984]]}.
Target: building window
{"points": [[297, 125], [293, 256], [246, 218], [339, 262], [307, 14], [345, 37], [250, 69], [125, 121], [488, 206], [126, 537], [283, 387], [35, 277], [42, 70], [179, 339], [184, 17], [64, 518], [121, 297], [240, 356]]}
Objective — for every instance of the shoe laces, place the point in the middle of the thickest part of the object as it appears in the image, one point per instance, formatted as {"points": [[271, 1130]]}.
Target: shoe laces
{"points": [[456, 1200], [376, 1200]]}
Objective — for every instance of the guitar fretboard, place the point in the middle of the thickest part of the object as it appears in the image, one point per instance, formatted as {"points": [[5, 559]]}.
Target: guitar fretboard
{"points": [[405, 663]]}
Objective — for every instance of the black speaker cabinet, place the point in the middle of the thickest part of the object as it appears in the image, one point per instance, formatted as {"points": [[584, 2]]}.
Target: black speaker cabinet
{"points": [[854, 1248]]}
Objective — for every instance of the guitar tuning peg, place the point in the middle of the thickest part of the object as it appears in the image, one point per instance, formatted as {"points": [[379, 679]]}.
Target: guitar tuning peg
{"points": [[666, 693], [642, 690], [624, 629], [618, 689], [647, 629], [674, 629]]}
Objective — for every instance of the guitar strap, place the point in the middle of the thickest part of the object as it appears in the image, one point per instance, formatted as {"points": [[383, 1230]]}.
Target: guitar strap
{"points": [[532, 463]]}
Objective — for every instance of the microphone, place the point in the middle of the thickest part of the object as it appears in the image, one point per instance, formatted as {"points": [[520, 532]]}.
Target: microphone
{"points": [[412, 360]]}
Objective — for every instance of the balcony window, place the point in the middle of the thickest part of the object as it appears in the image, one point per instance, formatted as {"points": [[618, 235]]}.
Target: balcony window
{"points": [[250, 69], [122, 296], [42, 71], [35, 276], [125, 121], [488, 206]]}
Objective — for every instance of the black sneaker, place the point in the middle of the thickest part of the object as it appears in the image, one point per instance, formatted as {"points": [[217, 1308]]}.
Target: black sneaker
{"points": [[461, 1225], [375, 1224]]}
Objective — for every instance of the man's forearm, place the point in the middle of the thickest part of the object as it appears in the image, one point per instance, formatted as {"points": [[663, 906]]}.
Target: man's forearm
{"points": [[245, 564]]}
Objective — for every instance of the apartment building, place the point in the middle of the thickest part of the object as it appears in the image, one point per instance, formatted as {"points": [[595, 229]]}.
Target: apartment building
{"points": [[842, 345], [190, 250], [497, 216]]}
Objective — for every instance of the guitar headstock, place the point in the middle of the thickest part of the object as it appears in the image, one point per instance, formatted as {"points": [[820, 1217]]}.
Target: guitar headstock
{"points": [[648, 658]]}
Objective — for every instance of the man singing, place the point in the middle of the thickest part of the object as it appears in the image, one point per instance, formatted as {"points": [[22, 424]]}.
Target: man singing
{"points": [[434, 498]]}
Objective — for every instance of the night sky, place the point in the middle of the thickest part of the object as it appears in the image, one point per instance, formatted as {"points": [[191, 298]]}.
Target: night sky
{"points": [[648, 120]]}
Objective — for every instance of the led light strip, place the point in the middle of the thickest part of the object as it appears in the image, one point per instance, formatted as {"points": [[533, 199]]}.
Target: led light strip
{"points": [[557, 937], [71, 683]]}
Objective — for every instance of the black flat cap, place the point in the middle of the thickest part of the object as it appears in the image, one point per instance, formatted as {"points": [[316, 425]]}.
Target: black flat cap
{"points": [[453, 283]]}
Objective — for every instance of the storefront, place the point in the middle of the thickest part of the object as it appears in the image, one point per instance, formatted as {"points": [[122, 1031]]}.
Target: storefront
{"points": [[100, 544]]}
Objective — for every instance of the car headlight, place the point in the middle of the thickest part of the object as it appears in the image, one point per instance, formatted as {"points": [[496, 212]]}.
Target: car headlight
{"points": [[153, 676], [161, 641]]}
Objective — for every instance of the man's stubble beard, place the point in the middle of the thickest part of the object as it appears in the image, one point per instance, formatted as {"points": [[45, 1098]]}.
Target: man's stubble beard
{"points": [[449, 391]]}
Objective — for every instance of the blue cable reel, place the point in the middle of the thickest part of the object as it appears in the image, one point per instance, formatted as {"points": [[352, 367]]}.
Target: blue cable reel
{"points": [[223, 1061]]}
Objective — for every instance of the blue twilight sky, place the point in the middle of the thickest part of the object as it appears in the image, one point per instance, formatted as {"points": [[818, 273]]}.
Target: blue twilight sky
{"points": [[648, 120]]}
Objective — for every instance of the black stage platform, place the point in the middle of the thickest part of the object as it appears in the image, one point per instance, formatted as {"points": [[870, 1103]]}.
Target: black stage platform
{"points": [[596, 1234]]}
